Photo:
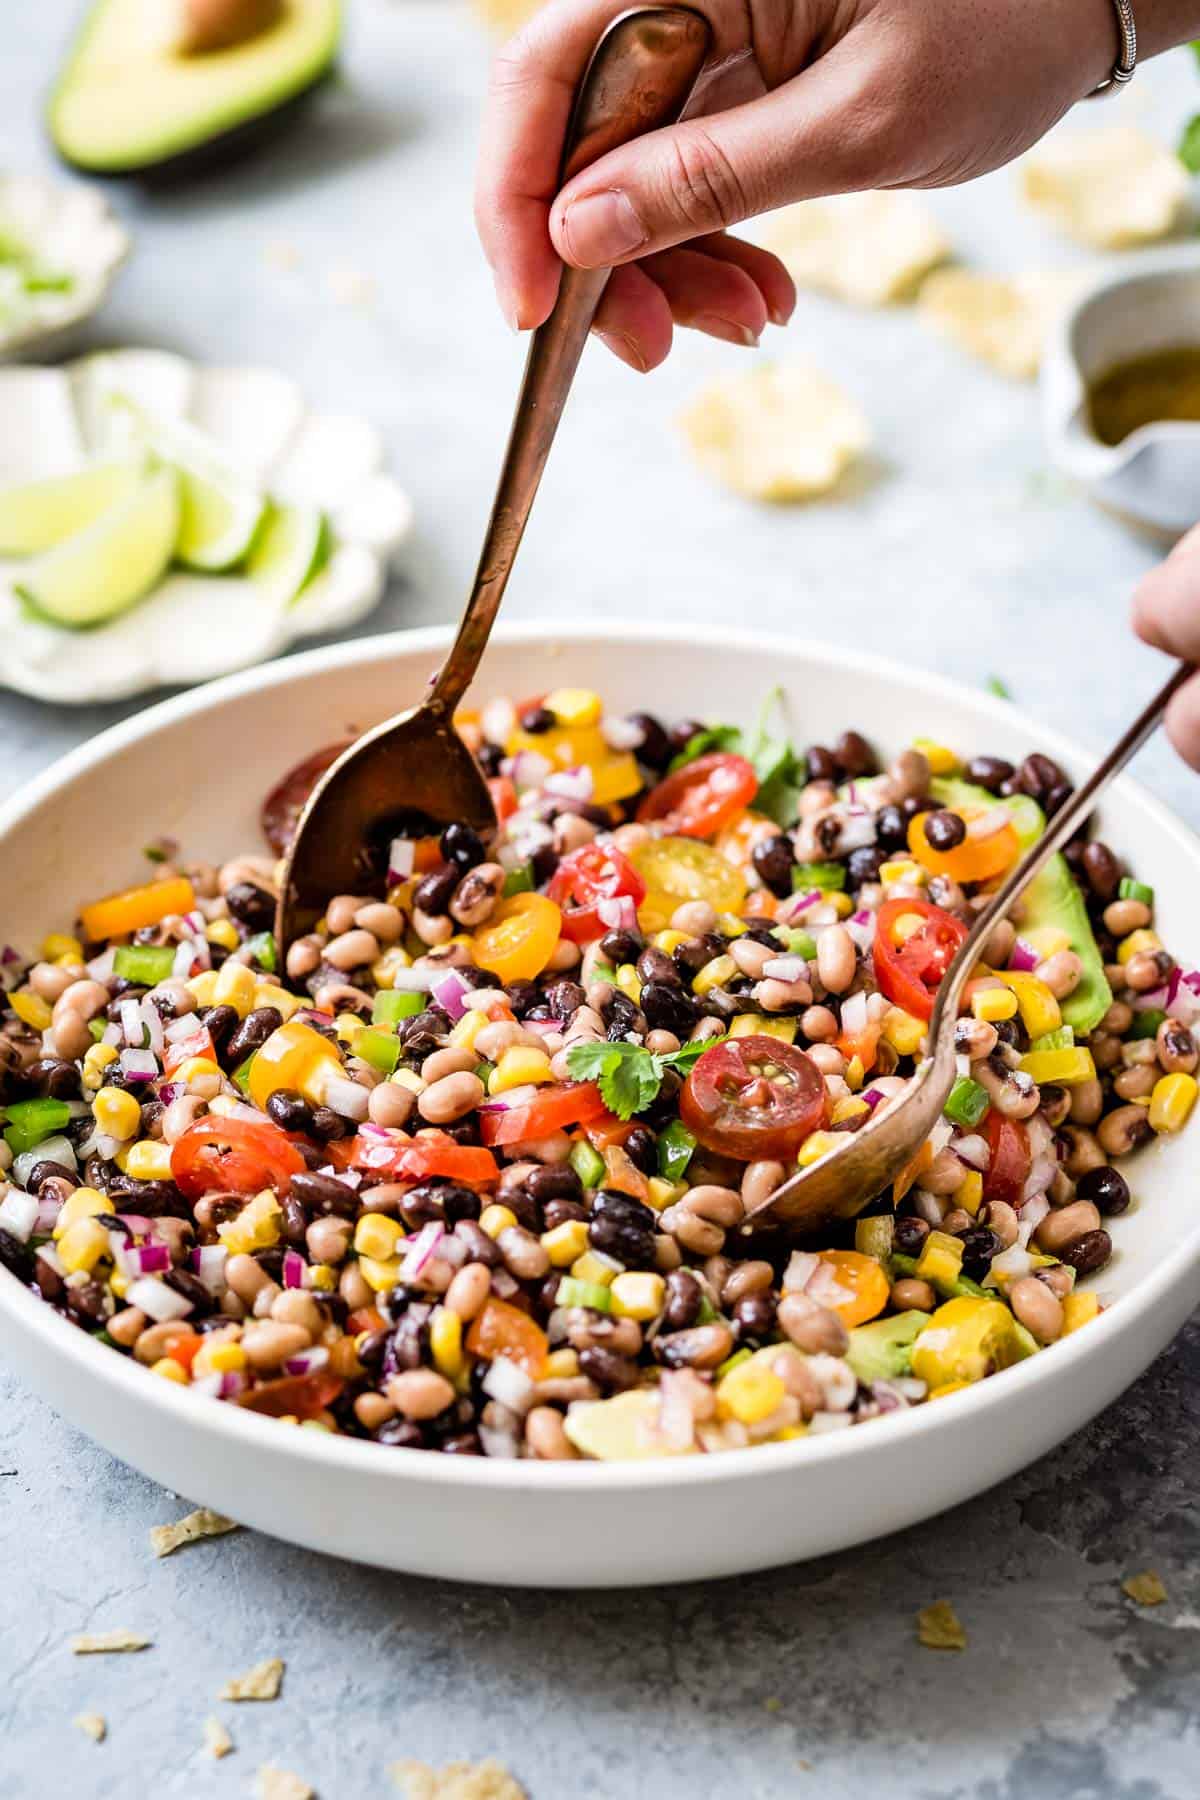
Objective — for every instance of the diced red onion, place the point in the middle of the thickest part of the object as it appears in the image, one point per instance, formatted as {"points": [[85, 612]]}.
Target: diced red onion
{"points": [[238, 1109], [622, 734], [19, 1214], [571, 784], [55, 1149], [854, 1014], [234, 1381], [151, 1259], [675, 1427], [1157, 998], [617, 912], [508, 1384], [99, 1143], [179, 1029], [195, 921], [821, 1422], [824, 1287], [47, 1215], [152, 1020], [1041, 1174], [138, 1223], [862, 934], [294, 1269], [452, 1250], [158, 1301], [972, 1150], [402, 857], [872, 1098], [413, 981], [529, 769], [207, 1386], [786, 968], [185, 961], [798, 905], [543, 1027], [101, 967], [1184, 1002], [940, 1134], [802, 1266], [503, 1285], [346, 1098], [497, 720], [855, 832], [112, 1035], [450, 991], [132, 1023], [497, 1443], [139, 1065], [208, 1261], [910, 1386], [9, 955], [306, 1361], [514, 1098], [421, 1250], [927, 1206], [1022, 958], [49, 1255], [1010, 1265]]}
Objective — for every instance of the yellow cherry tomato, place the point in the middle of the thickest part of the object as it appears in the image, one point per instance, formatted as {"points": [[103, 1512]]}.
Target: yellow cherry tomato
{"points": [[676, 869], [519, 939], [615, 774], [975, 859], [865, 1284]]}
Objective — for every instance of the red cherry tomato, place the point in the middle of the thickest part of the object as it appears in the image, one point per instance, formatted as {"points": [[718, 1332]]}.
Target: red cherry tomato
{"points": [[1008, 1170], [911, 972], [703, 797], [753, 1097], [283, 805], [403, 1158], [233, 1156], [574, 1103], [587, 877], [504, 796]]}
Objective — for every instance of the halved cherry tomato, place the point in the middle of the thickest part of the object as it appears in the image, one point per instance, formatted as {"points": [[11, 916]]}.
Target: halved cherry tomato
{"points": [[503, 1330], [233, 1156], [294, 1396], [180, 1050], [850, 1284], [976, 858], [703, 797], [574, 1103], [737, 842], [676, 869], [753, 1097], [910, 971], [504, 796], [595, 873], [403, 1158], [283, 805], [519, 938], [1011, 1160]]}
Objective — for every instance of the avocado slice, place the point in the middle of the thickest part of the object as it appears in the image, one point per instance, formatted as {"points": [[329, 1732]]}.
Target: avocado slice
{"points": [[126, 104], [1052, 899], [883, 1349]]}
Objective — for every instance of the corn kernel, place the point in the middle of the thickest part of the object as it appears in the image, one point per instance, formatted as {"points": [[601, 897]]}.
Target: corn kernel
{"points": [[855, 1074], [95, 1061], [118, 1284], [408, 1078], [668, 941], [817, 1146], [380, 1275], [170, 1370], [257, 1226], [348, 1026], [565, 1242], [786, 1433], [224, 933], [82, 1245], [714, 974], [117, 1112], [224, 1106], [841, 903], [849, 1108], [383, 970], [218, 1359], [31, 1009], [664, 1193], [903, 870], [941, 759], [730, 926], [496, 1218], [1171, 1102], [322, 1278], [903, 1031], [970, 1195], [1079, 1309], [149, 1160], [445, 1341], [202, 987], [59, 945], [519, 1067], [84, 1203], [234, 987], [1045, 940], [993, 1004], [628, 982], [775, 1025], [750, 1393], [376, 1235], [561, 1365], [940, 1261], [574, 706], [638, 1295], [468, 1029], [947, 1387], [1136, 943], [194, 1068], [269, 993], [590, 1267]]}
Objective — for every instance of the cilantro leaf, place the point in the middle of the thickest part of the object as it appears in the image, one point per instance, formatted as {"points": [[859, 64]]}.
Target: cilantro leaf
{"points": [[713, 737], [629, 1076], [780, 771], [688, 1055], [995, 684], [589, 1062], [1189, 145], [633, 1084]]}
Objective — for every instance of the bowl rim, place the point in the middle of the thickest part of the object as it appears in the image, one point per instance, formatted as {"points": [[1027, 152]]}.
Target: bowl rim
{"points": [[238, 1426]]}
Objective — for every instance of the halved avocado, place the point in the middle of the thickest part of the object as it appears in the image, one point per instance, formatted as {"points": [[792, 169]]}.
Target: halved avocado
{"points": [[125, 104]]}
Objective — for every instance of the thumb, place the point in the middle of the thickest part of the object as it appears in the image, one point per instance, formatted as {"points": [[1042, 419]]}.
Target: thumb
{"points": [[814, 135]]}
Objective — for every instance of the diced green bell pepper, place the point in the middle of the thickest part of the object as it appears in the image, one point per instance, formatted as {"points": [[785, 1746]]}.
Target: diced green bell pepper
{"points": [[1135, 890], [796, 942], [828, 875], [1146, 1023], [1063, 1038], [29, 1121], [675, 1148], [573, 1292], [393, 1004], [262, 948], [967, 1103], [379, 1048], [519, 880], [147, 964], [587, 1163]]}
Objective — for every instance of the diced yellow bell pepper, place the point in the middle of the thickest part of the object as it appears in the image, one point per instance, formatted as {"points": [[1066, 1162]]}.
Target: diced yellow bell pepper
{"points": [[294, 1057], [776, 1025], [993, 1004], [565, 1242], [903, 869], [941, 759], [615, 774], [970, 1195], [82, 1245], [1045, 940], [714, 974], [1065, 1068], [84, 1203], [224, 933], [269, 993], [664, 1193], [61, 948], [468, 1029], [1040, 1011], [629, 983], [1079, 1309], [637, 1294], [1171, 1101], [1136, 943], [589, 1267], [668, 940], [31, 1009], [520, 1067], [496, 1218], [903, 1031], [574, 706], [818, 1145], [848, 1108], [855, 1074], [940, 1261]]}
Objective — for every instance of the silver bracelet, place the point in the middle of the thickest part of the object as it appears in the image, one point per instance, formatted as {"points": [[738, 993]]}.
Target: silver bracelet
{"points": [[1122, 69]]}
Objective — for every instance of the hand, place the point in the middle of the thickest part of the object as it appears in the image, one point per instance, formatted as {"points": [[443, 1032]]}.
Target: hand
{"points": [[1166, 613], [806, 97]]}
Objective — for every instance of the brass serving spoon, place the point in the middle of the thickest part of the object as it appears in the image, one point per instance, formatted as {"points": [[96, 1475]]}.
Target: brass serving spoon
{"points": [[415, 767], [869, 1160]]}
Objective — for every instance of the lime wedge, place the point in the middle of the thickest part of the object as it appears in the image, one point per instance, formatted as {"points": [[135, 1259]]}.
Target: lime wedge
{"points": [[39, 514], [104, 569], [218, 520], [292, 546]]}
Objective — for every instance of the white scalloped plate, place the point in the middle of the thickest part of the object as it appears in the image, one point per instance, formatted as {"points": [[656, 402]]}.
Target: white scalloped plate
{"points": [[194, 627], [73, 231]]}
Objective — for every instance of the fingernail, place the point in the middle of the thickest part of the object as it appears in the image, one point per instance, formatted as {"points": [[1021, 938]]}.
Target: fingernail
{"points": [[600, 228], [507, 306], [624, 347], [727, 329], [777, 317]]}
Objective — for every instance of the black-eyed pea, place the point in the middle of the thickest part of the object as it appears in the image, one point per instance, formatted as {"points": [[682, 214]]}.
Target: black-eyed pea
{"points": [[156, 1340], [701, 1347], [382, 920], [662, 1043], [341, 912], [1060, 1229], [341, 996], [997, 947], [546, 1437], [1123, 916], [750, 956], [1176, 1047], [1087, 1102], [572, 833], [945, 1174], [304, 955], [495, 1039], [449, 1099], [667, 1254], [694, 1233], [772, 995], [759, 1182], [746, 1278], [1106, 1050], [719, 1205], [564, 957], [469, 1290], [374, 1410], [909, 775], [72, 1039], [1135, 1083], [837, 958], [454, 1060], [1058, 1278], [126, 1326], [811, 1327], [1037, 1308], [267, 1343], [523, 1255], [85, 998], [246, 1277], [1117, 1019], [390, 1104], [1142, 1051], [265, 1299], [1148, 969], [819, 1025], [827, 1059], [293, 1306], [352, 950], [975, 1038], [1014, 1094], [800, 1383], [1083, 1151], [1001, 1218], [430, 929], [476, 894], [327, 1240], [1061, 973], [354, 1288], [50, 982], [420, 1393], [911, 1295], [1123, 1130]]}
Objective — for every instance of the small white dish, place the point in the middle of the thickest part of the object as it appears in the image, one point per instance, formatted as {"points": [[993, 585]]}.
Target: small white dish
{"points": [[1153, 476], [193, 627], [196, 767], [68, 230]]}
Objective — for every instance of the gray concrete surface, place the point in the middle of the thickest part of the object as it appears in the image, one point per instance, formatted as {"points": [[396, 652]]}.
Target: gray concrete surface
{"points": [[954, 548]]}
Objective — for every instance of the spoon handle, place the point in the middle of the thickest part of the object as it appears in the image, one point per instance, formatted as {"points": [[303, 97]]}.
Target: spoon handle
{"points": [[1059, 831], [639, 78]]}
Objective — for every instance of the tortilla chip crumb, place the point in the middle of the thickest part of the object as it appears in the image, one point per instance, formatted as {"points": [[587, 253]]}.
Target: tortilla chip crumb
{"points": [[204, 1523], [281, 1784], [262, 1682], [217, 1741], [100, 1643], [487, 1780], [772, 1703], [93, 1725], [1145, 1589], [938, 1627]]}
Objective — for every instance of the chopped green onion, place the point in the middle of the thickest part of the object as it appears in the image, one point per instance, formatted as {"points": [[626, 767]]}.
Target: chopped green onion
{"points": [[393, 1004], [29, 1121], [241, 1075], [827, 875], [1146, 1024], [379, 1048], [675, 1147], [519, 880], [967, 1103], [587, 1163], [572, 1292], [483, 1070], [262, 948], [708, 1311], [995, 684], [147, 964], [97, 1027], [733, 1362], [795, 942], [1135, 890], [1062, 1038]]}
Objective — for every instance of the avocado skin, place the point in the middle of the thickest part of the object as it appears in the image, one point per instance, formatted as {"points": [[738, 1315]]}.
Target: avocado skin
{"points": [[883, 1349], [215, 153], [1053, 899]]}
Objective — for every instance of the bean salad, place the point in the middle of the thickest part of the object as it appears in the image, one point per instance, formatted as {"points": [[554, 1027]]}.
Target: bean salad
{"points": [[482, 1165]]}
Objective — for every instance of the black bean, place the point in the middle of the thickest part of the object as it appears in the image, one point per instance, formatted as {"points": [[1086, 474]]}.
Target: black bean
{"points": [[528, 1213], [544, 862], [480, 1247], [696, 953], [14, 1255], [400, 1434], [290, 1111], [630, 1244], [1039, 775], [655, 965], [523, 996], [154, 1199], [554, 1181], [774, 859], [754, 1316], [641, 1148], [1088, 1253], [864, 864], [828, 833], [668, 1008], [1056, 1104], [328, 1125], [979, 1244], [295, 1221], [910, 1234], [537, 719], [654, 751], [564, 998], [891, 828], [323, 1194], [1013, 1033], [50, 1283], [463, 1443], [46, 1171], [462, 845], [607, 1369], [1107, 1189], [989, 772], [622, 1016], [547, 1294], [561, 1212], [855, 755], [621, 947], [434, 892], [1102, 869], [252, 1033], [192, 1288], [371, 1349], [220, 1022], [53, 1078], [489, 757], [1057, 798], [251, 906], [944, 830], [86, 1304], [684, 1297], [425, 1030], [821, 762]]}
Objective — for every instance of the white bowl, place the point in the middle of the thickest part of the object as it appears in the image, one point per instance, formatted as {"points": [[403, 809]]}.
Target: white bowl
{"points": [[196, 767], [1153, 476], [75, 232]]}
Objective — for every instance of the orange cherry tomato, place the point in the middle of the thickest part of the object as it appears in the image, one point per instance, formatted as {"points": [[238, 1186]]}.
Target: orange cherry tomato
{"points": [[504, 1330], [232, 1156], [909, 970], [573, 1103], [975, 859], [183, 1349], [402, 1158], [863, 1044], [865, 1284], [914, 1168], [298, 1396], [753, 1097], [120, 914], [364, 1318], [703, 797], [622, 1174], [519, 938]]}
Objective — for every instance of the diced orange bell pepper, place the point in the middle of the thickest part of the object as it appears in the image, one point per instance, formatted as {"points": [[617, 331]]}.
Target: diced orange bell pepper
{"points": [[363, 1318], [504, 1330], [863, 1044], [623, 1175], [975, 859], [119, 914], [738, 840], [183, 1349]]}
